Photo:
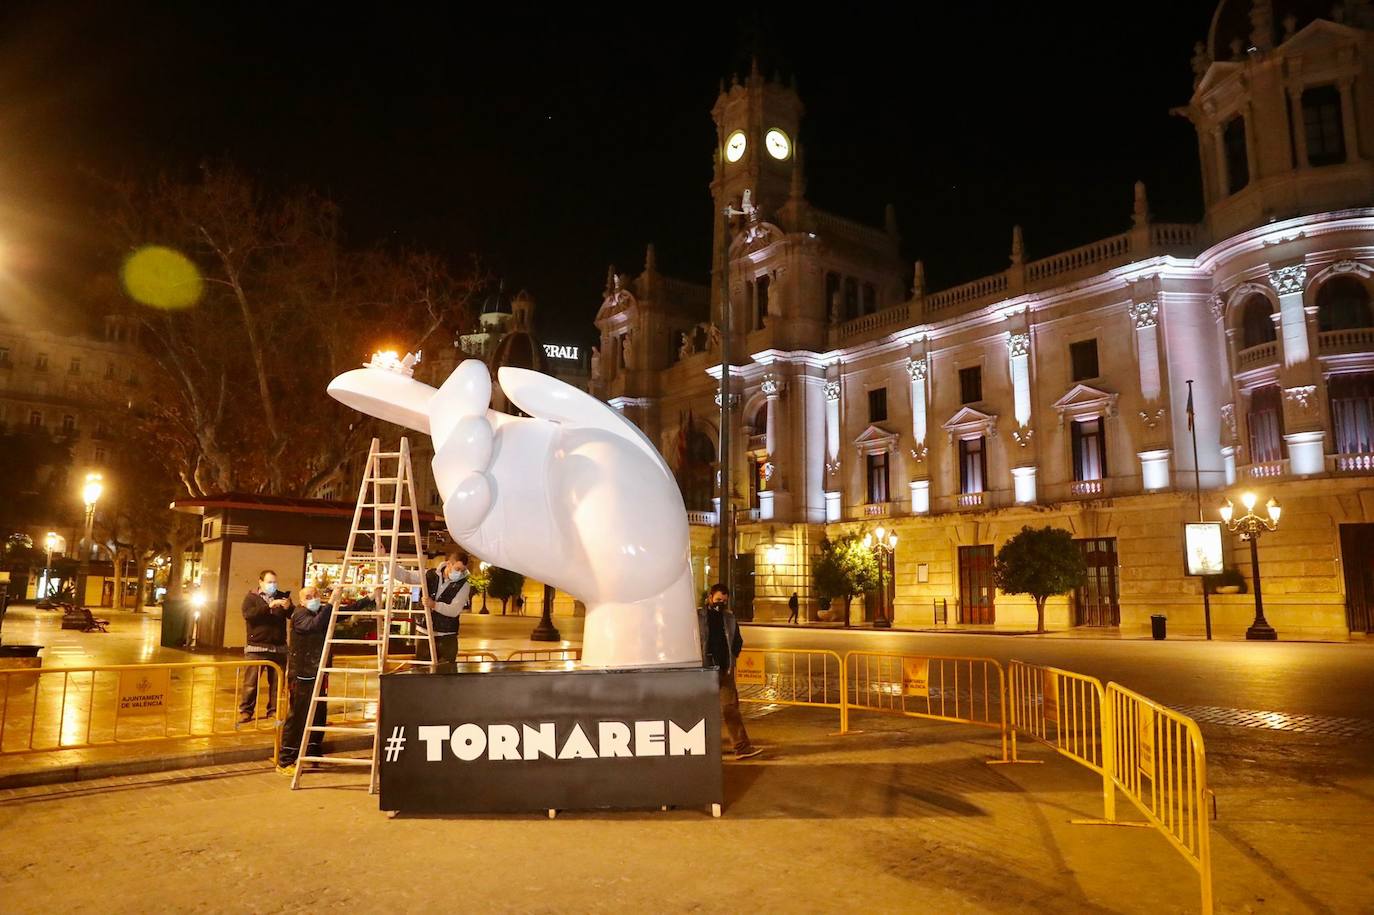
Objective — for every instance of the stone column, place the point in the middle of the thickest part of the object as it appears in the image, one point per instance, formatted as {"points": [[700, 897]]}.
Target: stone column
{"points": [[833, 506], [1154, 463], [1223, 174], [1289, 282], [1299, 127], [1352, 141]]}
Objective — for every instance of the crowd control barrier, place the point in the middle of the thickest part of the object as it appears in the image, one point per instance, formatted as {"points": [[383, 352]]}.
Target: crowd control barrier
{"points": [[1063, 710], [785, 676], [49, 709], [1157, 759]]}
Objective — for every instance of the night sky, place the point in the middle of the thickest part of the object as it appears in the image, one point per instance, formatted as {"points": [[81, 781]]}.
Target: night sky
{"points": [[554, 144]]}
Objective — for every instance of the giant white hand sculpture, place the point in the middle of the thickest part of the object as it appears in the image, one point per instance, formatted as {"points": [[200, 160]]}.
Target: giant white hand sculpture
{"points": [[575, 497]]}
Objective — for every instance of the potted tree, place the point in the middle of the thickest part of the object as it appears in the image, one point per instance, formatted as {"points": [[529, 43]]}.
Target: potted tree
{"points": [[503, 584], [1228, 581], [1041, 562]]}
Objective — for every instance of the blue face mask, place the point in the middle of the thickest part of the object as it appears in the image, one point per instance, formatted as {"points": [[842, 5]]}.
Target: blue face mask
{"points": [[454, 575], [269, 588], [313, 604]]}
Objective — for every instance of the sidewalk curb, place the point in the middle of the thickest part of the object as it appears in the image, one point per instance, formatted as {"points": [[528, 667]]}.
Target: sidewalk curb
{"points": [[221, 757]]}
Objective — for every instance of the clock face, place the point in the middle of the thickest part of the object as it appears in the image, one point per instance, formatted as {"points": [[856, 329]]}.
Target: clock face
{"points": [[734, 146], [779, 146]]}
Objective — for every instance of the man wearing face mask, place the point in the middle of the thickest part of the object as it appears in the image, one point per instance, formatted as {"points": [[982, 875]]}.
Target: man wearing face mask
{"points": [[721, 644], [309, 624], [265, 611], [446, 593]]}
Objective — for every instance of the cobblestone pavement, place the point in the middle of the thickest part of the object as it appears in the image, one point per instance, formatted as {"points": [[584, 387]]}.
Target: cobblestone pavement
{"points": [[903, 817]]}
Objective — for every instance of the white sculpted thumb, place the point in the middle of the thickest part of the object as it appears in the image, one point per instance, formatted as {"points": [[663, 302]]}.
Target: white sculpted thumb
{"points": [[573, 496]]}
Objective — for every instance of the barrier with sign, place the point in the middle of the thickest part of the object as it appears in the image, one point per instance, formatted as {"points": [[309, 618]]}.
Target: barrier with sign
{"points": [[785, 676], [1156, 757], [964, 690], [1063, 710], [48, 709]]}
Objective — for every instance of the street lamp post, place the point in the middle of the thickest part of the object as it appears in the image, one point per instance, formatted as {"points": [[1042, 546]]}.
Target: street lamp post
{"points": [[883, 548], [51, 543], [90, 494], [1250, 526], [483, 566], [724, 521], [546, 631]]}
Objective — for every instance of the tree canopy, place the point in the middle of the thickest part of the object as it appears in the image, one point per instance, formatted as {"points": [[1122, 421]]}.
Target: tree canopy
{"points": [[844, 568], [1041, 562], [272, 306]]}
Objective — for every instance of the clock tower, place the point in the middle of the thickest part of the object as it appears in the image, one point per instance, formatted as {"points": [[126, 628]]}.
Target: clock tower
{"points": [[756, 150]]}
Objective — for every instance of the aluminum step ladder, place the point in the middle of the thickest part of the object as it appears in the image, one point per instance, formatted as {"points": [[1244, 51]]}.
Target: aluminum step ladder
{"points": [[383, 541]]}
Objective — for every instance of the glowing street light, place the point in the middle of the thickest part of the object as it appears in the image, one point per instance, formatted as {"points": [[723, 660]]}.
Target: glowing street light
{"points": [[51, 543], [884, 547], [90, 494], [1250, 526]]}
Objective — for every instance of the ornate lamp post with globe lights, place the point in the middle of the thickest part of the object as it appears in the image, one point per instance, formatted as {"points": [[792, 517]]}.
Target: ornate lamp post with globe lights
{"points": [[50, 542], [1250, 526], [90, 494], [883, 548]]}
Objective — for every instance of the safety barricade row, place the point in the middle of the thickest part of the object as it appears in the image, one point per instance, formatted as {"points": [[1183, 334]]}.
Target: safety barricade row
{"points": [[1153, 754], [69, 708], [794, 677]]}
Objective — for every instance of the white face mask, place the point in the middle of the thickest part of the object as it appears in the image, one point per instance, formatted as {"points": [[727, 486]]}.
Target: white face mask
{"points": [[454, 574]]}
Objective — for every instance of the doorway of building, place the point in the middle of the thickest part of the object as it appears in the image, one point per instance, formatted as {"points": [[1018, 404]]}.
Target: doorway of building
{"points": [[1095, 603], [976, 604], [1357, 562], [742, 588]]}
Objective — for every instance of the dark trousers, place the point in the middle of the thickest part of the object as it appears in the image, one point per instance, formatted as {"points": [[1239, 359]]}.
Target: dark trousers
{"points": [[294, 730], [792, 617], [445, 646], [730, 718], [248, 682]]}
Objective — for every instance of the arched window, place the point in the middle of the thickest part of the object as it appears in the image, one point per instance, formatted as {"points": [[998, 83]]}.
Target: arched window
{"points": [[1256, 322], [760, 421], [1342, 304]]}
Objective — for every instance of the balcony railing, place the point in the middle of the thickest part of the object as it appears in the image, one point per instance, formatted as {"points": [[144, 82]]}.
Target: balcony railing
{"points": [[972, 499], [1353, 463], [878, 510], [1359, 339], [707, 519], [747, 515], [1256, 356], [1266, 470], [1088, 489]]}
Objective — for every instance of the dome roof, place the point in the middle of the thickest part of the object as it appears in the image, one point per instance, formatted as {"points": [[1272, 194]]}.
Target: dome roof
{"points": [[518, 349], [1232, 22]]}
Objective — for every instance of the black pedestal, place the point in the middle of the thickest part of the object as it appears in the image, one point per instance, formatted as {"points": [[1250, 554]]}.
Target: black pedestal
{"points": [[538, 737]]}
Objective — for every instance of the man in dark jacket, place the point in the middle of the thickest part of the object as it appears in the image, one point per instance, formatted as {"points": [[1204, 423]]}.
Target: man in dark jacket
{"points": [[793, 606], [447, 592], [309, 625], [721, 644], [265, 611]]}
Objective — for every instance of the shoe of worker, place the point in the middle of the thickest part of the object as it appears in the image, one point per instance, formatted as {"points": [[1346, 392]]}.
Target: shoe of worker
{"points": [[287, 770], [748, 754]]}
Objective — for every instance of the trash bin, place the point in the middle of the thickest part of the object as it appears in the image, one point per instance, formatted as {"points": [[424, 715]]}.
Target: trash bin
{"points": [[176, 613], [1157, 625]]}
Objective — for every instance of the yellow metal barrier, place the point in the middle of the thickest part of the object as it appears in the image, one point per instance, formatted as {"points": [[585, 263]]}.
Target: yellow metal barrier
{"points": [[67, 708], [1063, 710], [1157, 758], [944, 688], [787, 676]]}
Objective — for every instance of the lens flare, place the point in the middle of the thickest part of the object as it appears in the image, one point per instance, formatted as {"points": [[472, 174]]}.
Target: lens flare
{"points": [[162, 278]]}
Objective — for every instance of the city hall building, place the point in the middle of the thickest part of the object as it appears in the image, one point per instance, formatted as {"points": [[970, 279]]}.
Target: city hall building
{"points": [[1056, 391]]}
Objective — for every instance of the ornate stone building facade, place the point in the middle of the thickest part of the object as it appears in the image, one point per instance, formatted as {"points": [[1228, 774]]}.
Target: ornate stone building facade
{"points": [[1056, 391]]}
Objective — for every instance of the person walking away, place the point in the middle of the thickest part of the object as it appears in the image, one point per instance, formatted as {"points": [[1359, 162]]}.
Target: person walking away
{"points": [[721, 644], [793, 605], [265, 612], [446, 592]]}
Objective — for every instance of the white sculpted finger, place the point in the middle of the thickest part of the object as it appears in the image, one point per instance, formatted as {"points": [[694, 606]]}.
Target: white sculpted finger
{"points": [[467, 392], [468, 503]]}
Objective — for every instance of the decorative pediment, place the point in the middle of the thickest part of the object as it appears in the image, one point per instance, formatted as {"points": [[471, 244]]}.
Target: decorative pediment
{"points": [[616, 301], [875, 440], [969, 422], [1085, 401], [756, 235]]}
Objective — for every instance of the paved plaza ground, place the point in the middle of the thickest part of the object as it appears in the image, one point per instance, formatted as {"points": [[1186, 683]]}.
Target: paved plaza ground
{"points": [[903, 817]]}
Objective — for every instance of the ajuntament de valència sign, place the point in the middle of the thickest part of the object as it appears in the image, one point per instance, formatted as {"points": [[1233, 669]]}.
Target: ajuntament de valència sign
{"points": [[572, 495]]}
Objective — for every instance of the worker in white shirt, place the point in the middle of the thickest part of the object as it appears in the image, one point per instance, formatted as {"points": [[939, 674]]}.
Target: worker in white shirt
{"points": [[445, 591]]}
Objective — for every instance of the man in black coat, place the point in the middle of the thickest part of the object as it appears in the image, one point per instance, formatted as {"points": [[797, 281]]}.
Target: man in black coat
{"points": [[265, 611], [721, 644]]}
